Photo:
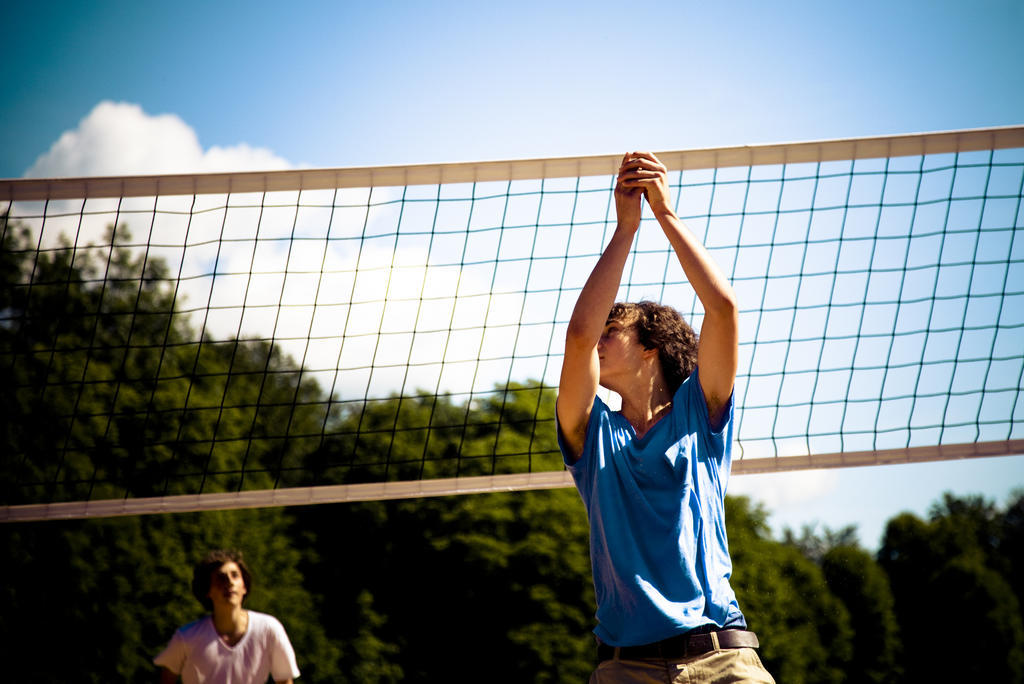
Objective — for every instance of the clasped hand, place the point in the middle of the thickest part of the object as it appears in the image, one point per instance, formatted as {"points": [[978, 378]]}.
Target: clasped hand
{"points": [[641, 175]]}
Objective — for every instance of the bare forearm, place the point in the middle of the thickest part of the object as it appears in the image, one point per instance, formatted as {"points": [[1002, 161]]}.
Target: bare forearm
{"points": [[598, 294], [717, 346], [705, 277], [717, 349], [581, 369]]}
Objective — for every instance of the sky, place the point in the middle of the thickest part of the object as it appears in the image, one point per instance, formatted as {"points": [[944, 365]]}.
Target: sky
{"points": [[108, 88]]}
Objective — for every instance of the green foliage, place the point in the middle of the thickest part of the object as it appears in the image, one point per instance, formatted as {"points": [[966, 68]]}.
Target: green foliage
{"points": [[816, 545], [948, 582], [456, 584], [111, 393], [1010, 556], [116, 589], [804, 630], [859, 582], [509, 430]]}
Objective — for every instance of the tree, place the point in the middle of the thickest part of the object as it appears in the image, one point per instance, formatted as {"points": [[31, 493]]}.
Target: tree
{"points": [[108, 394], [856, 579], [815, 545], [804, 629], [1011, 545], [114, 590], [945, 577], [113, 393], [496, 577]]}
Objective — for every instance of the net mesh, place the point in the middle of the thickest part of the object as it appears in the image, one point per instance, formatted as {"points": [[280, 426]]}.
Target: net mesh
{"points": [[169, 350]]}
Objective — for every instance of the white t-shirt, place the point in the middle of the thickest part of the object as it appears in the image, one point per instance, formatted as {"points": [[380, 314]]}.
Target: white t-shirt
{"points": [[200, 656]]}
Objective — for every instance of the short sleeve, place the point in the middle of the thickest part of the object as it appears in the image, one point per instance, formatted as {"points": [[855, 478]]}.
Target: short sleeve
{"points": [[173, 657], [598, 410], [282, 656], [690, 401]]}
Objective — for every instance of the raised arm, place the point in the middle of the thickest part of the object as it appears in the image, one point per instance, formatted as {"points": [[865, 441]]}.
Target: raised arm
{"points": [[581, 371], [718, 344]]}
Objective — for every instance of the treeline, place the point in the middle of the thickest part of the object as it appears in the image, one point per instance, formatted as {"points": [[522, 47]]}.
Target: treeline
{"points": [[107, 391], [436, 589]]}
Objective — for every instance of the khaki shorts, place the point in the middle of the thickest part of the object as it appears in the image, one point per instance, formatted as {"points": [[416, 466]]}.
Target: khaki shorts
{"points": [[723, 666]]}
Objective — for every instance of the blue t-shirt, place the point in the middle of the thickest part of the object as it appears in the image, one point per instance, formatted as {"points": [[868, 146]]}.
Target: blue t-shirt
{"points": [[658, 547]]}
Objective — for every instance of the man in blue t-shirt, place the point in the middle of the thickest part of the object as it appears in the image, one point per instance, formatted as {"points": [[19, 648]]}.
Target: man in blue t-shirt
{"points": [[653, 475]]}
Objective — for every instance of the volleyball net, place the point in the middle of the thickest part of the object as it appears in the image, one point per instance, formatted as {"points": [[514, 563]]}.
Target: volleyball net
{"points": [[195, 342]]}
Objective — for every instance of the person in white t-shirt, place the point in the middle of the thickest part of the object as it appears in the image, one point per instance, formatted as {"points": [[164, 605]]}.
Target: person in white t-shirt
{"points": [[232, 645]]}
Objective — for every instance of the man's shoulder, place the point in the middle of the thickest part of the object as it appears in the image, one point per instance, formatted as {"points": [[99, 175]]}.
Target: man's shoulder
{"points": [[603, 414], [689, 402], [196, 627], [264, 621]]}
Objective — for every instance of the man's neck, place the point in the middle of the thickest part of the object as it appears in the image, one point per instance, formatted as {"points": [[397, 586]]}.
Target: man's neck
{"points": [[231, 624], [645, 408]]}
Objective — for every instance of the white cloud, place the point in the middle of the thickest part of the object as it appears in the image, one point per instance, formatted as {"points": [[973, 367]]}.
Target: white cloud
{"points": [[366, 317], [119, 138], [415, 314], [333, 317], [780, 491]]}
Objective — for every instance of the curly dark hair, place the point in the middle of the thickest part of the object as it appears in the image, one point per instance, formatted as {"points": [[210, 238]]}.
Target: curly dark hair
{"points": [[663, 328], [208, 565]]}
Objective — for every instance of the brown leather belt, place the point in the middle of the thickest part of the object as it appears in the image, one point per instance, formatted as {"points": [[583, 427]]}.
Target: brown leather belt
{"points": [[682, 646]]}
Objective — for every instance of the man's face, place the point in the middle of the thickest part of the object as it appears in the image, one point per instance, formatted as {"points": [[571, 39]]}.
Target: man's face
{"points": [[619, 352], [227, 586]]}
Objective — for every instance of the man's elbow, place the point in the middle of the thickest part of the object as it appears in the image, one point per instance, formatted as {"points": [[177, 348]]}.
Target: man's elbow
{"points": [[577, 336], [725, 307]]}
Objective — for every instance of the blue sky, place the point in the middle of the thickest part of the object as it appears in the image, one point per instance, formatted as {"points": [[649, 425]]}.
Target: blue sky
{"points": [[347, 84]]}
